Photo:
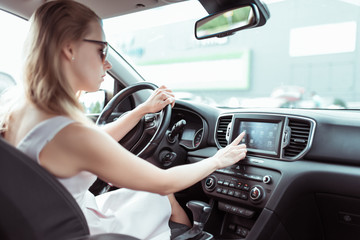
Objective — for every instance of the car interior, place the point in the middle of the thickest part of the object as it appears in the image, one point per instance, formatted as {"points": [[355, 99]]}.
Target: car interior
{"points": [[299, 180]]}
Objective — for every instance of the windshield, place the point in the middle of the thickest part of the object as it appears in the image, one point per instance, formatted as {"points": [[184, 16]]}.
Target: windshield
{"points": [[304, 57]]}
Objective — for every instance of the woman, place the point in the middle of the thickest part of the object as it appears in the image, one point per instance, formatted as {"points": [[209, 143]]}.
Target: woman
{"points": [[67, 54]]}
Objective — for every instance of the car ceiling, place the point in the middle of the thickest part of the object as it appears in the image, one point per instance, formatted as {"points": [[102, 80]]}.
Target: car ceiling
{"points": [[104, 8]]}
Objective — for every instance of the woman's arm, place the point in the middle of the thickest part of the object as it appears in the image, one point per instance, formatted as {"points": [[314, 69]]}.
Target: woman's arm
{"points": [[77, 148], [160, 98]]}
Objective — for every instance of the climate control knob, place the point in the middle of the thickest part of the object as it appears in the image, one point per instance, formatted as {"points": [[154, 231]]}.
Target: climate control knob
{"points": [[267, 179], [256, 193], [210, 183]]}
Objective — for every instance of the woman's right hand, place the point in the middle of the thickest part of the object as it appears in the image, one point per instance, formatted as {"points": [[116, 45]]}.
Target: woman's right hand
{"points": [[231, 154], [159, 99]]}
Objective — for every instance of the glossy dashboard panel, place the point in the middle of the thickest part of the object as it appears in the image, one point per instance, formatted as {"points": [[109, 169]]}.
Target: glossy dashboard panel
{"points": [[267, 135], [246, 185], [191, 136], [310, 152], [263, 134]]}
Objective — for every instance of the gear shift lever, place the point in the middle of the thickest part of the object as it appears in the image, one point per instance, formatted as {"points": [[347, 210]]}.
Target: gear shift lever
{"points": [[201, 212]]}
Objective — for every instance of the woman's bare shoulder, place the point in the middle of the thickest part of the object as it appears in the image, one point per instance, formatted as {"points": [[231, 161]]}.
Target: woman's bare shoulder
{"points": [[81, 135], [75, 148]]}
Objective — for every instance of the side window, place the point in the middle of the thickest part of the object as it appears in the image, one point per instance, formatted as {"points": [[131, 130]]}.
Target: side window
{"points": [[13, 34], [94, 102]]}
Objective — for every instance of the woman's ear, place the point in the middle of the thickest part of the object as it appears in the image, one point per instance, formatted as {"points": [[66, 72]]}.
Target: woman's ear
{"points": [[68, 51]]}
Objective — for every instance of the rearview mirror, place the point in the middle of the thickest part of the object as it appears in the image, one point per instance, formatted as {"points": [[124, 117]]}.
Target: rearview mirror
{"points": [[228, 17], [226, 23]]}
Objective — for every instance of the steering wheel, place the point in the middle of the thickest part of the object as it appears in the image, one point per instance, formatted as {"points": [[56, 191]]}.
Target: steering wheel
{"points": [[137, 140]]}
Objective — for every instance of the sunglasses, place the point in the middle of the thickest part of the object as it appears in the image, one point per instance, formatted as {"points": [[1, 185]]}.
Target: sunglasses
{"points": [[103, 53]]}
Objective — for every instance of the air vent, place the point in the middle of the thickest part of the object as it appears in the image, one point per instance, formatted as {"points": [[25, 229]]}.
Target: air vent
{"points": [[300, 132], [223, 123]]}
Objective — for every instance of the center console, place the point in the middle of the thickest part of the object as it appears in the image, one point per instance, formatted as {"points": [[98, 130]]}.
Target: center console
{"points": [[241, 192]]}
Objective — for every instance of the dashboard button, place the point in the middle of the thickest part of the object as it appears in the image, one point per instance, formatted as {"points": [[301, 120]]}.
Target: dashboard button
{"points": [[256, 193], [249, 213], [210, 183], [266, 179], [241, 211], [232, 227], [246, 187], [244, 196]]}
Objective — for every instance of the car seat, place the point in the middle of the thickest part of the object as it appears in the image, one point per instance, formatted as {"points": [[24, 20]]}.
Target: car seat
{"points": [[35, 205]]}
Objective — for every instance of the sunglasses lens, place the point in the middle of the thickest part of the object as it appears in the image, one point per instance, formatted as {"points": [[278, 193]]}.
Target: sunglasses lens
{"points": [[104, 54]]}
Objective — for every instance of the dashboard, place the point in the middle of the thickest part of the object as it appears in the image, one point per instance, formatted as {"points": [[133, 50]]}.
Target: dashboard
{"points": [[192, 133], [298, 180], [276, 136]]}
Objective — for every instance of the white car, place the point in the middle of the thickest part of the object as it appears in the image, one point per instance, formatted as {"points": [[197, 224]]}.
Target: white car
{"points": [[300, 179]]}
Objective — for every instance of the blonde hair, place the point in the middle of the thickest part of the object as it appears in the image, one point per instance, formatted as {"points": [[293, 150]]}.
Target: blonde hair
{"points": [[54, 24]]}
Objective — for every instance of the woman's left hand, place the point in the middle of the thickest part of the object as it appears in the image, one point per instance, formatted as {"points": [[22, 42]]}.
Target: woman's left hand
{"points": [[160, 98]]}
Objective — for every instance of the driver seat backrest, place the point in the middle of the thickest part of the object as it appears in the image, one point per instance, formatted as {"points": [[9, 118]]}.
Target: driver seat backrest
{"points": [[34, 205]]}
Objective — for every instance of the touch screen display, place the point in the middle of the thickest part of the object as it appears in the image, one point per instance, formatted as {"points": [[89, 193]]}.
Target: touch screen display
{"points": [[260, 135]]}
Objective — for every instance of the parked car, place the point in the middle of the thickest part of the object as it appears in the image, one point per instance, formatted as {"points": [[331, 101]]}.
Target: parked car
{"points": [[300, 179]]}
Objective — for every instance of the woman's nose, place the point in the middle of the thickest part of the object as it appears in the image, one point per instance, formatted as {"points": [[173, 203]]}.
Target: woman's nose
{"points": [[107, 65]]}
